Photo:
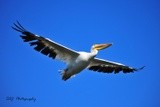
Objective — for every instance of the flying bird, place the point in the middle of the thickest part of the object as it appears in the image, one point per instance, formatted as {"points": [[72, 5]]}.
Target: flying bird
{"points": [[76, 61]]}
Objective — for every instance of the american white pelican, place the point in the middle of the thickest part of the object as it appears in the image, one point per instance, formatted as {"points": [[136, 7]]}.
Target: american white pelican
{"points": [[76, 61]]}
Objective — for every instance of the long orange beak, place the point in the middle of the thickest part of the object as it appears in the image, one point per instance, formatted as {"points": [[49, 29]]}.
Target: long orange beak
{"points": [[101, 46]]}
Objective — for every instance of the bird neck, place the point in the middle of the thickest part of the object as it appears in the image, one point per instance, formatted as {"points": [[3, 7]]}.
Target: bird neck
{"points": [[94, 52]]}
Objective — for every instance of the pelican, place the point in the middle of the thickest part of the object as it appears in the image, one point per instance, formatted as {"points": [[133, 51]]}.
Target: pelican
{"points": [[75, 61]]}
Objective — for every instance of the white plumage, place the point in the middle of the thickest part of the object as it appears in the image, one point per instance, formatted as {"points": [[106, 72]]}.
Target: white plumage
{"points": [[76, 61]]}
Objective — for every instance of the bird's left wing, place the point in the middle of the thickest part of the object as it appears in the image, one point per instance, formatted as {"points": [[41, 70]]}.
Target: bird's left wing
{"points": [[106, 66], [46, 46]]}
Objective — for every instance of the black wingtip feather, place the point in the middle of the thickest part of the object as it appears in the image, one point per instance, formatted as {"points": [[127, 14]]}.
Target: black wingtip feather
{"points": [[19, 30], [28, 38], [142, 68], [117, 70], [125, 70], [18, 27], [52, 55], [21, 26], [139, 68], [39, 45], [46, 51]]}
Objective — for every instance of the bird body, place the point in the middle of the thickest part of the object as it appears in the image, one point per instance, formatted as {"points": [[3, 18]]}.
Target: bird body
{"points": [[79, 64], [76, 61]]}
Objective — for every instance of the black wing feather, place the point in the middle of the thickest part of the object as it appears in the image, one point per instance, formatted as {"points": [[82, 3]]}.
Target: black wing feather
{"points": [[100, 65], [35, 41], [111, 69]]}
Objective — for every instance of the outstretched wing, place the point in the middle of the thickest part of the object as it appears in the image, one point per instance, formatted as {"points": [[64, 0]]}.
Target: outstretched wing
{"points": [[46, 46], [105, 66]]}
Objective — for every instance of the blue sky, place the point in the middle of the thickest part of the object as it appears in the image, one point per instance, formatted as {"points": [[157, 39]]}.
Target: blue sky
{"points": [[132, 26]]}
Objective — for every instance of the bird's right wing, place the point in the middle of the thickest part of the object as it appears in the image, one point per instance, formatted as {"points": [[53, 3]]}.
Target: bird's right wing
{"points": [[46, 46]]}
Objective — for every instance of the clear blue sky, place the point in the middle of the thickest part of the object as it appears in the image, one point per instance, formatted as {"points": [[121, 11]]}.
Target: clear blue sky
{"points": [[133, 26]]}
